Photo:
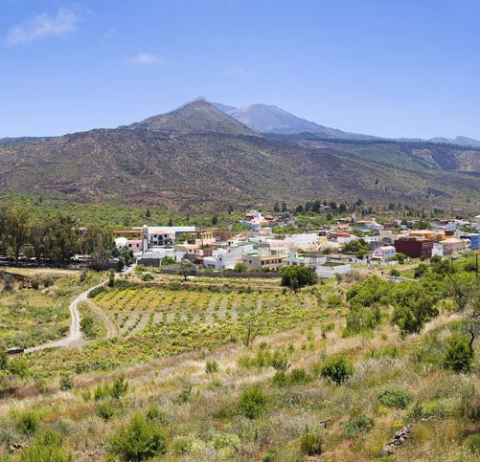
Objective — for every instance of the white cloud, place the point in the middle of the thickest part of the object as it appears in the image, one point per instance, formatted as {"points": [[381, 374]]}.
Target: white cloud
{"points": [[146, 59], [236, 72], [43, 25]]}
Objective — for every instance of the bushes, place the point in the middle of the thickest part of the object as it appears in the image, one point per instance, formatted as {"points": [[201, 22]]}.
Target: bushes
{"points": [[253, 402], [395, 398], [358, 423], [458, 354], [297, 277], [47, 447], [138, 440], [311, 444], [211, 367], [66, 382], [27, 422], [296, 377], [337, 369], [118, 389]]}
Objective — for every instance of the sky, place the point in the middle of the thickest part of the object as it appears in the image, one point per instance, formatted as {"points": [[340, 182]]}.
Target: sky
{"points": [[392, 68]]}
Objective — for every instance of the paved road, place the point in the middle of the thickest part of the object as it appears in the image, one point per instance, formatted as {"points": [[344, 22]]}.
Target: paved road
{"points": [[75, 332]]}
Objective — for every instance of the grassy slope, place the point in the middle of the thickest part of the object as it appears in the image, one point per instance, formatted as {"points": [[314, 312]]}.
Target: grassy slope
{"points": [[201, 406]]}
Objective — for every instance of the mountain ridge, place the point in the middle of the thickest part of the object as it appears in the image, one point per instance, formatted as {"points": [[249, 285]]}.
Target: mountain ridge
{"points": [[197, 158]]}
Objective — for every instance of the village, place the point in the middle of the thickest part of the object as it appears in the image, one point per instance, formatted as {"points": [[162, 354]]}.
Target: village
{"points": [[330, 252]]}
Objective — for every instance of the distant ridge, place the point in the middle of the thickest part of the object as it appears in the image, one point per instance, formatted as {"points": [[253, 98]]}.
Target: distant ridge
{"points": [[272, 119]]}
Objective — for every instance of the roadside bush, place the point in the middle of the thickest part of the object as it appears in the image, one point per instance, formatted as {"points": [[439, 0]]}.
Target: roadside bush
{"points": [[395, 398], [87, 325], [19, 366], [47, 447], [458, 354], [311, 444], [337, 369], [253, 402], [138, 440]]}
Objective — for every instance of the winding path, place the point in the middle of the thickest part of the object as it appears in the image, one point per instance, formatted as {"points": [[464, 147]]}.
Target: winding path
{"points": [[75, 332]]}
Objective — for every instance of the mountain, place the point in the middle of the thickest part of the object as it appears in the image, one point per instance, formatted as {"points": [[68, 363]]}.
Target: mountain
{"points": [[459, 141], [272, 119], [198, 158], [196, 117]]}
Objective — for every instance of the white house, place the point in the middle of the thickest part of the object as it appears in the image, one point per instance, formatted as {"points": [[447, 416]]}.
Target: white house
{"points": [[384, 252], [305, 241]]}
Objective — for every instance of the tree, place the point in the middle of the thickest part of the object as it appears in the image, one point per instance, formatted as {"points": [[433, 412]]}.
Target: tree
{"points": [[148, 213], [253, 327], [414, 305], [297, 277], [459, 354], [99, 244], [61, 239], [17, 223], [459, 287], [111, 278], [215, 220], [186, 268]]}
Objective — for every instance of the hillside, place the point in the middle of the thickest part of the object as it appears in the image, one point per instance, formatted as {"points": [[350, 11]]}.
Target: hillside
{"points": [[198, 158]]}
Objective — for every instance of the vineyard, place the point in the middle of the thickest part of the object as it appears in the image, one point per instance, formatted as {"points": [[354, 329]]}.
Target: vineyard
{"points": [[152, 311]]}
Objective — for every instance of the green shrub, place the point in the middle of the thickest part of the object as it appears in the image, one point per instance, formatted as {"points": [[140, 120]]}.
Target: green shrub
{"points": [[281, 379], [358, 423], [211, 367], [138, 440], [47, 447], [27, 422], [3, 359], [337, 369], [105, 410], [156, 415], [311, 444], [458, 355], [473, 443], [148, 277], [280, 361], [270, 455], [227, 443], [19, 366], [297, 277], [395, 398], [299, 376], [253, 402], [66, 382], [119, 387]]}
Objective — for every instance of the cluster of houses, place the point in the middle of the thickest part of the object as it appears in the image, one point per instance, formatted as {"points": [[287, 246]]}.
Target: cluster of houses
{"points": [[259, 249]]}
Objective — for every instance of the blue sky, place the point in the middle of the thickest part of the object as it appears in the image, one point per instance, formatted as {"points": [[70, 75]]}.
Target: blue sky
{"points": [[385, 67]]}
